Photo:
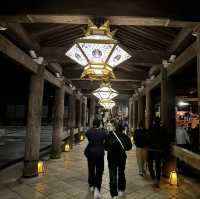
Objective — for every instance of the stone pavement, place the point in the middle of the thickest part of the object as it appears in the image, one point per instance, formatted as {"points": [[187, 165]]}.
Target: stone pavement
{"points": [[66, 178]]}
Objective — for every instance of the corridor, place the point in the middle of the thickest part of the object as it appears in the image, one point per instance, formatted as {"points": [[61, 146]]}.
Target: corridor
{"points": [[66, 178]]}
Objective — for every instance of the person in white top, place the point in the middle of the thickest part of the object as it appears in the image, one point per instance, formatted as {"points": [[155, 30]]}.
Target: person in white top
{"points": [[182, 137], [182, 140]]}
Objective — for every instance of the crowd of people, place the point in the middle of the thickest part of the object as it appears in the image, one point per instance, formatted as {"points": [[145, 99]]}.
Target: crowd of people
{"points": [[152, 150]]}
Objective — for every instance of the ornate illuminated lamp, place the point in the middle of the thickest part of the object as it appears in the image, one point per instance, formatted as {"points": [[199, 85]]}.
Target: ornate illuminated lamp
{"points": [[105, 92], [107, 103], [97, 52]]}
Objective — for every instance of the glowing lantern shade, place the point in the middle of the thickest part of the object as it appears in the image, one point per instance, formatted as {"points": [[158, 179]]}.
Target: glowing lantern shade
{"points": [[40, 167], [105, 92], [173, 179], [97, 52], [107, 104], [81, 137], [66, 148]]}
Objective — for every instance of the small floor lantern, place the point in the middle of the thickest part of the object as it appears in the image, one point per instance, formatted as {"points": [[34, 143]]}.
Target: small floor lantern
{"points": [[132, 139], [173, 179], [81, 137], [66, 148], [41, 167]]}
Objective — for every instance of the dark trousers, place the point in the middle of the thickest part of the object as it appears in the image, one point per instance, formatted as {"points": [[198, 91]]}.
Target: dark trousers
{"points": [[95, 172], [117, 176], [154, 156]]}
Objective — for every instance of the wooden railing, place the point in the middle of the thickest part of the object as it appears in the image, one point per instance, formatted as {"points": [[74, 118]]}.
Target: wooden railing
{"points": [[187, 156]]}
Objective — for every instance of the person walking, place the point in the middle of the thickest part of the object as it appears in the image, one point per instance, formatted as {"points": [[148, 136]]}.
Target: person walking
{"points": [[157, 145], [140, 139], [117, 143], [95, 157]]}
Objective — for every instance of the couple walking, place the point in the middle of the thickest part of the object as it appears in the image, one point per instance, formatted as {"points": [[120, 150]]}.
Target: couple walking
{"points": [[116, 143], [152, 146]]}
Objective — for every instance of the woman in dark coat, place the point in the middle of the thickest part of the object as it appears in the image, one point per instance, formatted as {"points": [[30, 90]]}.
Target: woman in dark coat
{"points": [[116, 144], [95, 156]]}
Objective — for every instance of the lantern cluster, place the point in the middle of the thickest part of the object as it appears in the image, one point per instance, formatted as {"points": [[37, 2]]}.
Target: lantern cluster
{"points": [[105, 94]]}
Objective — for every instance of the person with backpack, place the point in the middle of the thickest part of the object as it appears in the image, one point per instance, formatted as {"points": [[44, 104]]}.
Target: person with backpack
{"points": [[116, 145], [95, 156]]}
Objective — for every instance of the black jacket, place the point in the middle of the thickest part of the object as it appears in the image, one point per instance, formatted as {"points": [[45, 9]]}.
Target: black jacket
{"points": [[158, 139], [140, 138], [114, 148], [96, 139]]}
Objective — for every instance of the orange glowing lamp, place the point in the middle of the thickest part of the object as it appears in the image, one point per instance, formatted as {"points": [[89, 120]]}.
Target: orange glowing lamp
{"points": [[173, 179], [81, 137], [40, 167], [67, 148]]}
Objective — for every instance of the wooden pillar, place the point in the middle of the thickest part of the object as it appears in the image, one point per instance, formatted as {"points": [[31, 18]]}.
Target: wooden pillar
{"points": [[58, 121], [130, 113], [149, 109], [79, 115], [32, 141], [164, 96], [171, 117], [134, 112], [72, 119], [198, 76], [92, 110], [84, 110], [141, 109]]}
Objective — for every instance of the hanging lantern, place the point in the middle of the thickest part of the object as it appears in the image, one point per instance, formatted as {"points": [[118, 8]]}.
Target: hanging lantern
{"points": [[107, 103], [97, 52], [67, 148], [173, 179], [40, 167], [105, 92]]}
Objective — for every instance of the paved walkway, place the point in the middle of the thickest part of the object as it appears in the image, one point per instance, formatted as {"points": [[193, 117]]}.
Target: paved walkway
{"points": [[66, 178]]}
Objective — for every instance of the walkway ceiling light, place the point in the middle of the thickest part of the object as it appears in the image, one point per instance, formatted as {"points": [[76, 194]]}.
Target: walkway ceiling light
{"points": [[97, 52], [107, 104], [105, 92], [181, 103]]}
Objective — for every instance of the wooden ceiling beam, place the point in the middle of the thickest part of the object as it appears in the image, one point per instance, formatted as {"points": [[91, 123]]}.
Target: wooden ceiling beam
{"points": [[13, 53], [183, 59], [9, 50], [20, 35], [182, 39], [83, 19]]}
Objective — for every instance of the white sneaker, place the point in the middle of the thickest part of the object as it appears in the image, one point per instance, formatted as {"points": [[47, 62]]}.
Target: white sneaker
{"points": [[91, 189], [97, 194], [121, 193]]}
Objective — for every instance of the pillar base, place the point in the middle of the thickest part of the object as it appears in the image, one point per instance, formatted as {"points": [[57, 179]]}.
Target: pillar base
{"points": [[30, 169]]}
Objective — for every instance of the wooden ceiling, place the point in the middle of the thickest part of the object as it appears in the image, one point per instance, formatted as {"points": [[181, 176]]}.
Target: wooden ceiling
{"points": [[147, 45], [151, 35]]}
